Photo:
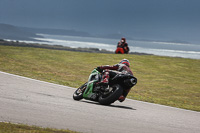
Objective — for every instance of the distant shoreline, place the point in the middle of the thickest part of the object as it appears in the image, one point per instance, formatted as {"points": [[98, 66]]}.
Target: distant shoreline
{"points": [[60, 47]]}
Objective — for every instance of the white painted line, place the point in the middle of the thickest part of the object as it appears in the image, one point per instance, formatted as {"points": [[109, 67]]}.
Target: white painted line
{"points": [[35, 80]]}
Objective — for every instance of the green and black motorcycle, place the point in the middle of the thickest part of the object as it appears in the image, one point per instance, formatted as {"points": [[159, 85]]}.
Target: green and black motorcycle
{"points": [[117, 85]]}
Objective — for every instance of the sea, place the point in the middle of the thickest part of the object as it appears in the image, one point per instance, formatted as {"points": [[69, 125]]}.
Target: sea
{"points": [[171, 49]]}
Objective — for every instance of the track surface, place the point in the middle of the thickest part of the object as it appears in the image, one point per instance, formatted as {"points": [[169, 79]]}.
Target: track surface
{"points": [[33, 102]]}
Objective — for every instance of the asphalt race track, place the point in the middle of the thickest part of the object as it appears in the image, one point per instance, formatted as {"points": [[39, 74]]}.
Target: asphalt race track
{"points": [[33, 102]]}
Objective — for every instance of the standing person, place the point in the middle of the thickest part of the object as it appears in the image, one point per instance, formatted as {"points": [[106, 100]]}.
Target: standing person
{"points": [[122, 46]]}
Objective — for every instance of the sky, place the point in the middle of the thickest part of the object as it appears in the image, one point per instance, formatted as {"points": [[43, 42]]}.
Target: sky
{"points": [[161, 19]]}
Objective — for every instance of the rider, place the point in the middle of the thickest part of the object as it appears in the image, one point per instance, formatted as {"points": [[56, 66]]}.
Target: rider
{"points": [[123, 66], [123, 44]]}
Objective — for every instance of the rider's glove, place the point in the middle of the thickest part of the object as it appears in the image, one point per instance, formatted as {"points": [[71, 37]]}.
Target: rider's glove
{"points": [[99, 69]]}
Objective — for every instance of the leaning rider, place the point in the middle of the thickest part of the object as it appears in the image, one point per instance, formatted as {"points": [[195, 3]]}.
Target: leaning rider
{"points": [[123, 66]]}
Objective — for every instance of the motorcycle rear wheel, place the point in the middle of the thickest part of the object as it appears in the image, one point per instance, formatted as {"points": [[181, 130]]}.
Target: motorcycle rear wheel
{"points": [[112, 96], [78, 94]]}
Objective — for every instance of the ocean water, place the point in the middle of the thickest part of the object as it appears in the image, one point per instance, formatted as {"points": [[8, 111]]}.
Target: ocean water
{"points": [[150, 47]]}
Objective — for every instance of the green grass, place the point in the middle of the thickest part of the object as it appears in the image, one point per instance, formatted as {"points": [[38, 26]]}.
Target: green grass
{"points": [[19, 128], [162, 80]]}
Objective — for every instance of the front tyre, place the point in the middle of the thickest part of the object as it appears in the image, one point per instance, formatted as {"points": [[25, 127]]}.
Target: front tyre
{"points": [[112, 96], [78, 94]]}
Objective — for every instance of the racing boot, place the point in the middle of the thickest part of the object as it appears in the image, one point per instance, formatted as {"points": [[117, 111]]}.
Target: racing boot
{"points": [[121, 98]]}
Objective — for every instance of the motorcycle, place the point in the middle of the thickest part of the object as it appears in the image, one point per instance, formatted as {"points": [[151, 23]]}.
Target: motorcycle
{"points": [[92, 91]]}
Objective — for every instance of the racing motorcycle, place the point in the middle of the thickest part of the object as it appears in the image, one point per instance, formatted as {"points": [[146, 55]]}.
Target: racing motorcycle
{"points": [[92, 91]]}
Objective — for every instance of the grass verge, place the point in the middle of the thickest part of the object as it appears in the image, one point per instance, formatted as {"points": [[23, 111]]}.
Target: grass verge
{"points": [[162, 80], [19, 128]]}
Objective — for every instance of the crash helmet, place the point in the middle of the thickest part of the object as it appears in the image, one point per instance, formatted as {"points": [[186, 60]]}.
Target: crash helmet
{"points": [[125, 61], [123, 39]]}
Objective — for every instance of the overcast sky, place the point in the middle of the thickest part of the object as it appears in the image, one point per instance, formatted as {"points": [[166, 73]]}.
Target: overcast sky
{"points": [[173, 17]]}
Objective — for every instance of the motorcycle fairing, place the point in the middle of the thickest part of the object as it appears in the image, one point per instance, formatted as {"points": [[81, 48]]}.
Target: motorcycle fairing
{"points": [[94, 77]]}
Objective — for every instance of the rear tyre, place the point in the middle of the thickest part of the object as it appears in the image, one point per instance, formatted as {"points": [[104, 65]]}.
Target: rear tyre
{"points": [[78, 94], [112, 96]]}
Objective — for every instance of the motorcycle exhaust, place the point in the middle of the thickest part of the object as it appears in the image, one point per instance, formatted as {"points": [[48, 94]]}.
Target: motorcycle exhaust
{"points": [[130, 82]]}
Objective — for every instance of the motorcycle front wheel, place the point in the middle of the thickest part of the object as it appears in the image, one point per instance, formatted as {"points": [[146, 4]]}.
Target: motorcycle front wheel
{"points": [[78, 94], [112, 96]]}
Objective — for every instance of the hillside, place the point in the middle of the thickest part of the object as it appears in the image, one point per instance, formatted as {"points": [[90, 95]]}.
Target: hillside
{"points": [[24, 33], [27, 33], [57, 31], [15, 33]]}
